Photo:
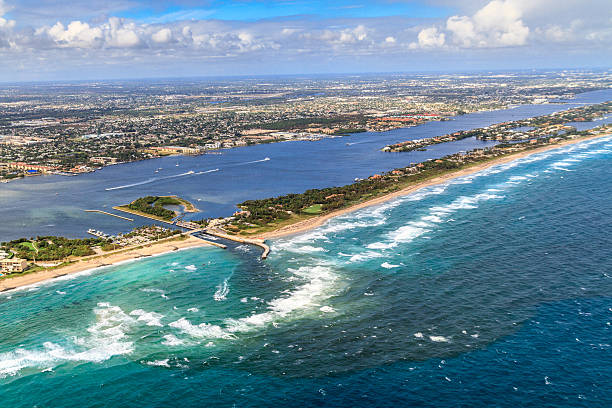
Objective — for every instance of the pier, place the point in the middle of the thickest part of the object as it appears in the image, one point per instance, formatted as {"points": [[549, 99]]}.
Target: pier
{"points": [[111, 214]]}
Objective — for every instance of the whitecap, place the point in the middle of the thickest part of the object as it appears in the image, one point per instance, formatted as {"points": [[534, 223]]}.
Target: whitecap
{"points": [[364, 256], [407, 233], [439, 339], [153, 290], [387, 265], [376, 245], [203, 330], [107, 338], [172, 340], [149, 318], [159, 363]]}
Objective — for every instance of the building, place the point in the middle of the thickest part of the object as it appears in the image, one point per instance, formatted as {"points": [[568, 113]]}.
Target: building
{"points": [[104, 161], [28, 167], [13, 265], [169, 150]]}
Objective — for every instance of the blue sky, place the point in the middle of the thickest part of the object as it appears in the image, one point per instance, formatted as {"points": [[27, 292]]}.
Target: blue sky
{"points": [[257, 10], [88, 39]]}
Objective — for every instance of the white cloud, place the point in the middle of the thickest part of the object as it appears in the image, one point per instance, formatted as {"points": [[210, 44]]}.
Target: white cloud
{"points": [[498, 24], [77, 34], [115, 33], [4, 23], [120, 34], [4, 8], [430, 38], [162, 36], [462, 29], [482, 25]]}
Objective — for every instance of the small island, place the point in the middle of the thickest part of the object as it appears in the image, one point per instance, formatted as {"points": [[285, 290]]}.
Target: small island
{"points": [[154, 207]]}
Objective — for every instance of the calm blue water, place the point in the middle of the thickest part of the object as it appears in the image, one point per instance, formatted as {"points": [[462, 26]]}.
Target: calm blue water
{"points": [[54, 205], [491, 290]]}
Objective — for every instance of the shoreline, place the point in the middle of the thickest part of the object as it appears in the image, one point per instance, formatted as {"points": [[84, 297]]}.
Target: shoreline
{"points": [[309, 224], [332, 136], [97, 261], [133, 253]]}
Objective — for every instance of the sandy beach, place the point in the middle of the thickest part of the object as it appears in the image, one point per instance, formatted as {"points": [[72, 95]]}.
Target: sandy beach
{"points": [[96, 261], [126, 254], [309, 224]]}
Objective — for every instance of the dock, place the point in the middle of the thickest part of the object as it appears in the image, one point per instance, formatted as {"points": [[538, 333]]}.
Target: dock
{"points": [[111, 214]]}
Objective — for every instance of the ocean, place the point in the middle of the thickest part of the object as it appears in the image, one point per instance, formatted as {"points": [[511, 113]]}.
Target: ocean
{"points": [[493, 289]]}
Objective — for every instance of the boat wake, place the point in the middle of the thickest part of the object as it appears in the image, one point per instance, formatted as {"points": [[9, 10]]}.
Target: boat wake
{"points": [[252, 162], [154, 179]]}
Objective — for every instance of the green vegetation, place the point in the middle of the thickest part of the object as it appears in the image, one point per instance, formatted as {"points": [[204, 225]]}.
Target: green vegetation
{"points": [[271, 213], [153, 205], [29, 246], [542, 126], [303, 123], [51, 248], [313, 209]]}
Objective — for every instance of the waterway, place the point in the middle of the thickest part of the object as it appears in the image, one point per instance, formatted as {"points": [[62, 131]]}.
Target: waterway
{"points": [[215, 183]]}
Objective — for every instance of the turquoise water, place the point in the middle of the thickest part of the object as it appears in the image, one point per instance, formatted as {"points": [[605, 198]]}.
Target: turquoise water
{"points": [[492, 290]]}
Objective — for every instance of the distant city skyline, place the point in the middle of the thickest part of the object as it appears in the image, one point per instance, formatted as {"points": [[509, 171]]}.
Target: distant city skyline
{"points": [[80, 40]]}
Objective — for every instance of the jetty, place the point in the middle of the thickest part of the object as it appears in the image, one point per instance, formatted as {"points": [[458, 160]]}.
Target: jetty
{"points": [[141, 214], [111, 214], [257, 242], [217, 244]]}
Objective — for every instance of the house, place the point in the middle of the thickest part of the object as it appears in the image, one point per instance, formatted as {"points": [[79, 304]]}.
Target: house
{"points": [[13, 265]]}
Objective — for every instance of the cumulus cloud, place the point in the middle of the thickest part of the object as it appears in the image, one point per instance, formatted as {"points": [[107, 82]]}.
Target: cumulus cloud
{"points": [[482, 25], [430, 37], [115, 33], [4, 23], [6, 27], [77, 34], [162, 36], [121, 34], [498, 24]]}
